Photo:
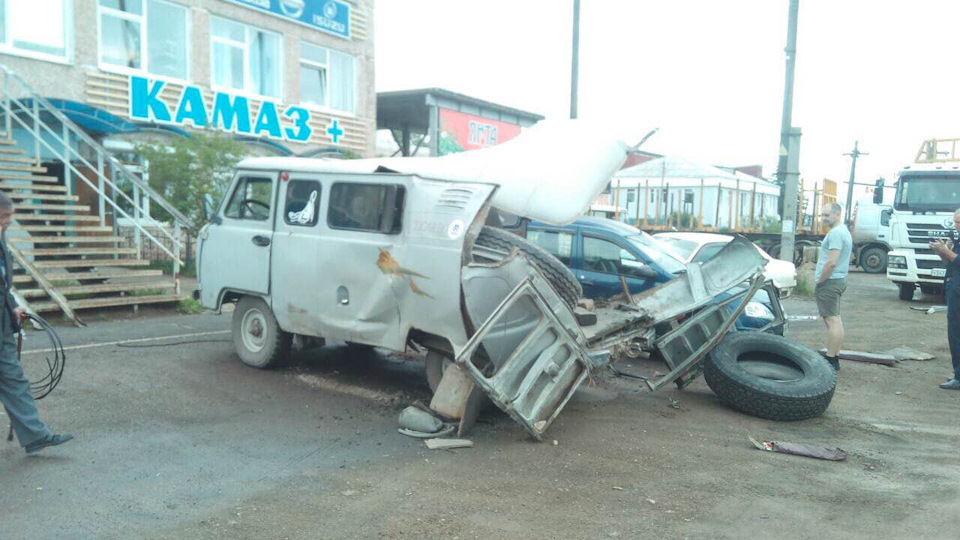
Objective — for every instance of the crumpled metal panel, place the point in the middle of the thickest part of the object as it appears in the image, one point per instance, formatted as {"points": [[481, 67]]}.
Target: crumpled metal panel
{"points": [[528, 354], [737, 262]]}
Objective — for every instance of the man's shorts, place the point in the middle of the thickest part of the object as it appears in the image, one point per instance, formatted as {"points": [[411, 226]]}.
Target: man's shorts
{"points": [[828, 296]]}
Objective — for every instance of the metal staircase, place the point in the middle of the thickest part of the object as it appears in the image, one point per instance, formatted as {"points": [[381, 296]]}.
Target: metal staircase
{"points": [[67, 255]]}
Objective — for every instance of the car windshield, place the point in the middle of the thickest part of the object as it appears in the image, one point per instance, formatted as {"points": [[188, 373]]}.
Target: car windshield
{"points": [[683, 248], [657, 252]]}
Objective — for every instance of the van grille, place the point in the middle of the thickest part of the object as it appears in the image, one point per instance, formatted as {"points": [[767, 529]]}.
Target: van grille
{"points": [[455, 198]]}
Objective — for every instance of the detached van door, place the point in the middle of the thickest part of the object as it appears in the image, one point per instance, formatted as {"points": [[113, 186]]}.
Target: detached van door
{"points": [[236, 252]]}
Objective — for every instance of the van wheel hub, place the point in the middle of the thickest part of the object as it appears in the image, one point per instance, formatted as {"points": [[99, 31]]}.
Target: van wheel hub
{"points": [[254, 336]]}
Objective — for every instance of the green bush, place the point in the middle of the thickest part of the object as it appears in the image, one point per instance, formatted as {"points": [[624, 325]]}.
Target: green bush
{"points": [[804, 285], [189, 306]]}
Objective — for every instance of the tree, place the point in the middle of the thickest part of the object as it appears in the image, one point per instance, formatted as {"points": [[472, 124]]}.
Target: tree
{"points": [[188, 171]]}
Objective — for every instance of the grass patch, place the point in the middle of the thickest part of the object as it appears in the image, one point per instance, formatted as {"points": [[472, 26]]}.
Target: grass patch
{"points": [[148, 292], [189, 270], [804, 285], [189, 306]]}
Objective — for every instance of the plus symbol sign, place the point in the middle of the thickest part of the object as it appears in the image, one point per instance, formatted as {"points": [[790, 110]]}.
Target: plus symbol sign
{"points": [[335, 132]]}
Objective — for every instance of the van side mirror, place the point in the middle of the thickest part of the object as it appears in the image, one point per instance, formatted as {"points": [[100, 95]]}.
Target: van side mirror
{"points": [[211, 213]]}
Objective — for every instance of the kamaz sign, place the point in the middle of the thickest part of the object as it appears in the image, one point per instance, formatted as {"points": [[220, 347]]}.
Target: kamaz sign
{"points": [[229, 113]]}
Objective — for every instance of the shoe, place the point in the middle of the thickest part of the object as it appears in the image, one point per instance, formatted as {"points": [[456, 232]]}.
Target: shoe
{"points": [[52, 440], [952, 384], [834, 363]]}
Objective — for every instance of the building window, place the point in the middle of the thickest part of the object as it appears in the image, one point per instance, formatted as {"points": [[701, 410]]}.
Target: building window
{"points": [[149, 36], [245, 58], [35, 28], [326, 78]]}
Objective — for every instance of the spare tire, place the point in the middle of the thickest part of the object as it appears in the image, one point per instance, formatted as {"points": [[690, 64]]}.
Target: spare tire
{"points": [[770, 376], [559, 276]]}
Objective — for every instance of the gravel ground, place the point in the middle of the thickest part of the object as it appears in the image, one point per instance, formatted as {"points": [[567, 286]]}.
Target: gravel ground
{"points": [[178, 440]]}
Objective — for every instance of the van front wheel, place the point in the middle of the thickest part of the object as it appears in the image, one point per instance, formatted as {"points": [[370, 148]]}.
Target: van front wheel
{"points": [[259, 341]]}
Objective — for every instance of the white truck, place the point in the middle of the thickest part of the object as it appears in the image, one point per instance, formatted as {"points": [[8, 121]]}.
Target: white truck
{"points": [[928, 193], [871, 233]]}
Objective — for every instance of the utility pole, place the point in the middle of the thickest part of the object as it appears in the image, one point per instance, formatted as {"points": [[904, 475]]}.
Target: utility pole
{"points": [[574, 69], [786, 120], [853, 172], [789, 192]]}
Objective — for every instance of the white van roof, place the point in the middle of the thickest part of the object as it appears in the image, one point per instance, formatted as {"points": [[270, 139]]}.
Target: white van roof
{"points": [[550, 172]]}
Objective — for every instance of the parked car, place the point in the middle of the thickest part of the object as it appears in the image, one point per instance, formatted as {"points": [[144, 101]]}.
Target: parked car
{"points": [[600, 251], [698, 247]]}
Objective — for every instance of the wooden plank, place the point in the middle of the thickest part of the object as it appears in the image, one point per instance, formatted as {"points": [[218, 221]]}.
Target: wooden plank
{"points": [[24, 168], [45, 239], [84, 276], [32, 186], [29, 177], [447, 444], [104, 288], [17, 159], [80, 251], [12, 151], [88, 303], [8, 141], [862, 356], [57, 217], [60, 228], [91, 263], [61, 207], [42, 197]]}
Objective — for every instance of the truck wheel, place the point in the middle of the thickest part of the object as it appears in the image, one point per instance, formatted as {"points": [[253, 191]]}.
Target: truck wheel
{"points": [[770, 376], [873, 260], [906, 291], [259, 341], [559, 276]]}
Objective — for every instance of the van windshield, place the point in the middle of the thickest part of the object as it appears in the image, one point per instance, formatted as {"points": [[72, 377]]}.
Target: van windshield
{"points": [[657, 252]]}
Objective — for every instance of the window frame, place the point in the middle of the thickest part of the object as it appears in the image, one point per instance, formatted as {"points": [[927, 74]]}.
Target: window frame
{"points": [[246, 91], [400, 188], [558, 232], [638, 258], [316, 216], [301, 61], [144, 41], [241, 182], [68, 38]]}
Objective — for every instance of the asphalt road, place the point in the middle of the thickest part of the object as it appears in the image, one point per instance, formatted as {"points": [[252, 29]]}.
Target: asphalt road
{"points": [[177, 439]]}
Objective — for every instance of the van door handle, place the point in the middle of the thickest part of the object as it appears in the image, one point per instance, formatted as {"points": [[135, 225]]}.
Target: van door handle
{"points": [[261, 241]]}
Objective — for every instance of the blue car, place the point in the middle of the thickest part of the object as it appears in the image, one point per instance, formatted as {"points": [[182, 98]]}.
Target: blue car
{"points": [[600, 251]]}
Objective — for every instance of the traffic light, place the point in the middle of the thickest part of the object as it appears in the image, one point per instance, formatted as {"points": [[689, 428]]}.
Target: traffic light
{"points": [[878, 191]]}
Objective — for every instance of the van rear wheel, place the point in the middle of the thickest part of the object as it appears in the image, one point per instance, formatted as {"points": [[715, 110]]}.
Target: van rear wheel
{"points": [[257, 337]]}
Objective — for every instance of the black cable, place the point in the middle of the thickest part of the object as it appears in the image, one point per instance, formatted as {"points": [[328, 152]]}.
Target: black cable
{"points": [[41, 388], [174, 344]]}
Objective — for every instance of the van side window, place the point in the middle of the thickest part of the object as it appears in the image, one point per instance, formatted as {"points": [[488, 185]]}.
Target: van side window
{"points": [[609, 258], [251, 199], [366, 207], [302, 203]]}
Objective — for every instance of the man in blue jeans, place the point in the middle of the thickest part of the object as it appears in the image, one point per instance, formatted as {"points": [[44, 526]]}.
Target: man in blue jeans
{"points": [[15, 395], [833, 264], [952, 293]]}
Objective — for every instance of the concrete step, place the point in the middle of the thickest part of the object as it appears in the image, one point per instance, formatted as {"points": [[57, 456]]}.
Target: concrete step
{"points": [[102, 288], [60, 207], [61, 228], [90, 263], [20, 184], [87, 303], [13, 150], [62, 251], [47, 179], [84, 276], [16, 196], [55, 217], [46, 239], [7, 141]]}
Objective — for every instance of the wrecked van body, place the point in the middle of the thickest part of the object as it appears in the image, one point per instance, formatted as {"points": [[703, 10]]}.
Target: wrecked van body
{"points": [[399, 253]]}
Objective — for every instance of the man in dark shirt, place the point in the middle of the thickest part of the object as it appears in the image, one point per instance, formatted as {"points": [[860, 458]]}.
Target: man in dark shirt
{"points": [[952, 293]]}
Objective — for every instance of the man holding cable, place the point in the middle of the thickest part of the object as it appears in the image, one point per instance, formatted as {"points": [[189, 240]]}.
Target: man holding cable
{"points": [[15, 395], [952, 294]]}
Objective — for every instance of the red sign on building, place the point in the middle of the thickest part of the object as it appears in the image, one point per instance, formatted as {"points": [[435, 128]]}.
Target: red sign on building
{"points": [[461, 131]]}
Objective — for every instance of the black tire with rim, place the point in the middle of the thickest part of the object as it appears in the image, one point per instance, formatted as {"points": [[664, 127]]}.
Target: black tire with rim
{"points": [[559, 276], [906, 291], [873, 260], [259, 341], [769, 376]]}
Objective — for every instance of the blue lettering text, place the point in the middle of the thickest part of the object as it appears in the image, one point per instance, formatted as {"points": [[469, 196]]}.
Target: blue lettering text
{"points": [[226, 112], [303, 131], [267, 120], [192, 107], [144, 103]]}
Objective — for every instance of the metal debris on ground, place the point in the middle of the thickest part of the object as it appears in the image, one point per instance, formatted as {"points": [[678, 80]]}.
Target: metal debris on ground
{"points": [[929, 310], [868, 357], [807, 450], [448, 444], [674, 402], [416, 419], [906, 353]]}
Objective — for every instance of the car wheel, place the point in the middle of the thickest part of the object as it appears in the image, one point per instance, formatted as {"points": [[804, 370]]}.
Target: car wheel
{"points": [[560, 277], [770, 377], [259, 341], [906, 291], [873, 260]]}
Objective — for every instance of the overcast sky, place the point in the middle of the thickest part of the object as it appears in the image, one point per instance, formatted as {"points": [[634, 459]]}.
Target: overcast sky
{"points": [[708, 73]]}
